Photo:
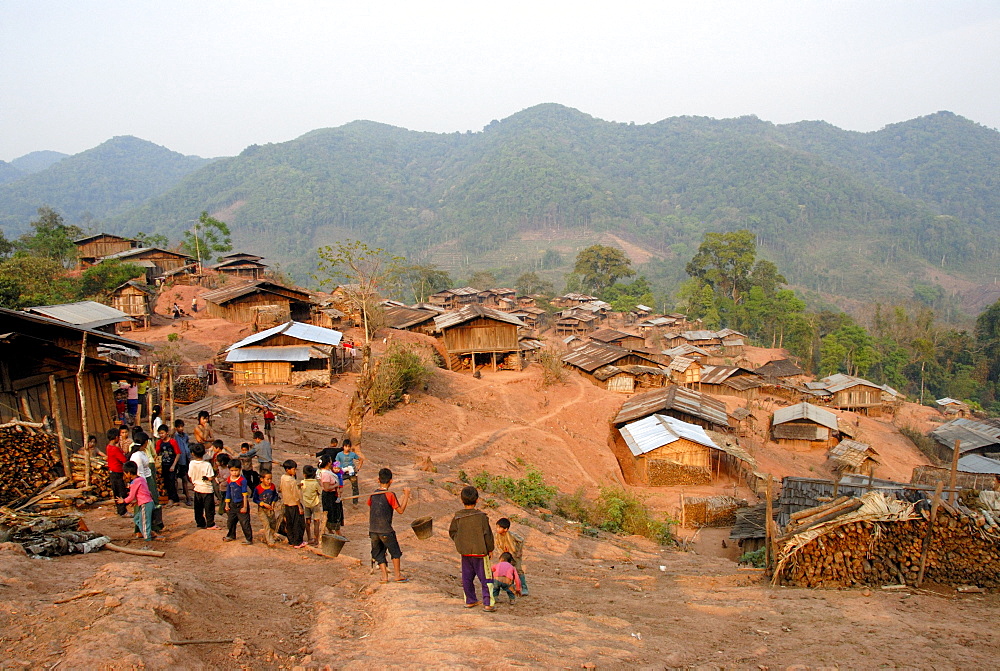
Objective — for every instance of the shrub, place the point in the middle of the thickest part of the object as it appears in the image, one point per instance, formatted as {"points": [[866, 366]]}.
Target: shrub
{"points": [[755, 558], [400, 370], [574, 507], [529, 491], [619, 512], [552, 368], [926, 444]]}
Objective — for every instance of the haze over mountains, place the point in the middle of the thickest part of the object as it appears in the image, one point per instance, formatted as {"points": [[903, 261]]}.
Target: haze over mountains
{"points": [[843, 213]]}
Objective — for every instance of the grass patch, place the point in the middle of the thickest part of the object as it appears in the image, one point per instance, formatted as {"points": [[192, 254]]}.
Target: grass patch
{"points": [[616, 511], [927, 445]]}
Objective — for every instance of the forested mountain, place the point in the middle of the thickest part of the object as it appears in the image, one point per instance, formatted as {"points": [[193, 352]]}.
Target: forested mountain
{"points": [[108, 179], [8, 173], [37, 161]]}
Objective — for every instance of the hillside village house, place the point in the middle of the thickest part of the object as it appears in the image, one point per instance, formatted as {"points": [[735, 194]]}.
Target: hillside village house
{"points": [[476, 336], [39, 364], [805, 425], [703, 339], [730, 381], [781, 369], [667, 451], [978, 437], [157, 262], [91, 249], [618, 339], [247, 266], [291, 353], [134, 299], [847, 392], [572, 299], [243, 303], [574, 325], [684, 371], [453, 299], [85, 314], [851, 456], [602, 365], [410, 319], [952, 407], [680, 403]]}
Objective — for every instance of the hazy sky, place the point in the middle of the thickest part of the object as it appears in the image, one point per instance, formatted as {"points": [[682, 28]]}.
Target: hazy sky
{"points": [[209, 78]]}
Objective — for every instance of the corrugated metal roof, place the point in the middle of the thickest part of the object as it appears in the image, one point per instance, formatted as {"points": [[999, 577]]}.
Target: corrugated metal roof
{"points": [[743, 382], [470, 312], [806, 411], [85, 314], [725, 333], [699, 335], [680, 363], [678, 399], [305, 332], [685, 350], [611, 335], [947, 400], [578, 297], [974, 435], [142, 250], [404, 317], [977, 463], [283, 353], [780, 368], [717, 374], [649, 433], [94, 336], [229, 293], [593, 355]]}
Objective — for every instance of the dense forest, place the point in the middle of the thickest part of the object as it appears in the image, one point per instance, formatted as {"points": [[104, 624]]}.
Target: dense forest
{"points": [[93, 185], [863, 215]]}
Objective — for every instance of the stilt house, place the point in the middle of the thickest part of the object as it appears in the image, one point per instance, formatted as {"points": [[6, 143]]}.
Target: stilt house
{"points": [[134, 299], [475, 336], [237, 303]]}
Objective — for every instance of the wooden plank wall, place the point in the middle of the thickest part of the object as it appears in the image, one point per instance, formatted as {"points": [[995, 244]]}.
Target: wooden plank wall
{"points": [[482, 335]]}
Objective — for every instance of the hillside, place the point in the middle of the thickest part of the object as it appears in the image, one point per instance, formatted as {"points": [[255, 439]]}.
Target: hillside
{"points": [[9, 173], [95, 184], [895, 201], [37, 161]]}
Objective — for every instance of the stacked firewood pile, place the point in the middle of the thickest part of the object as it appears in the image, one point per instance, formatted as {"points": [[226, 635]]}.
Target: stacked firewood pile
{"points": [[866, 542], [663, 473], [190, 388], [711, 511], [100, 477], [29, 460]]}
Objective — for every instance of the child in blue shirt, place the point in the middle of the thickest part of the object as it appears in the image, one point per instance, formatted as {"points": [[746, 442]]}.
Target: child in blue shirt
{"points": [[238, 503]]}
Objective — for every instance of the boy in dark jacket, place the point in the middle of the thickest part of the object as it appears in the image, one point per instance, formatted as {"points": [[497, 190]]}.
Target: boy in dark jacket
{"points": [[470, 529]]}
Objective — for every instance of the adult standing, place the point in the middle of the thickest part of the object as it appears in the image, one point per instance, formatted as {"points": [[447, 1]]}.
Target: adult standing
{"points": [[350, 463], [132, 403], [143, 389], [116, 459]]}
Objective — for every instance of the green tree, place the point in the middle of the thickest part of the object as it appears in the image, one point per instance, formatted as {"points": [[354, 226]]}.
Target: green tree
{"points": [[550, 259], [42, 281], [364, 273], [51, 239], [600, 266], [157, 240], [416, 282], [6, 246], [530, 283], [208, 237], [483, 279], [850, 349], [724, 261], [98, 281]]}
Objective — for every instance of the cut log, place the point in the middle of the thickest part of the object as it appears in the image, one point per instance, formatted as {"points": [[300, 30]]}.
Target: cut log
{"points": [[131, 551]]}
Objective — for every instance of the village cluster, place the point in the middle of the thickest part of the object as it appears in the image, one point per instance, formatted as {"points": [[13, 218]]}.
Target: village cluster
{"points": [[694, 412]]}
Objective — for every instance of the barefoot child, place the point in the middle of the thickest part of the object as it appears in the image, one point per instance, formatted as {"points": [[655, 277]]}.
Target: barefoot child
{"points": [[238, 503], [312, 504], [505, 578], [470, 529], [138, 494], [291, 498], [266, 498], [509, 541], [382, 504], [202, 478]]}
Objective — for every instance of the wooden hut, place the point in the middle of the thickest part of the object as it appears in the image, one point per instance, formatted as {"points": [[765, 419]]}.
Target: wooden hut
{"points": [[684, 371], [236, 303], [680, 403], [452, 299], [567, 325], [475, 336], [703, 339], [593, 356], [851, 456], [977, 437], [157, 262], [804, 425], [730, 381], [39, 364], [499, 299], [847, 392], [246, 266], [291, 353], [134, 299], [668, 451], [572, 299], [618, 338], [95, 247], [410, 319], [952, 407], [781, 369]]}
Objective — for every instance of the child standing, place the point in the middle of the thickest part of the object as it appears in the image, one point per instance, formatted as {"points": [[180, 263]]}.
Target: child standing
{"points": [[169, 452], [266, 497], [470, 529], [382, 504], [350, 463], [291, 498], [332, 505], [202, 477], [505, 578], [246, 458], [508, 541], [238, 504], [138, 494], [183, 442], [312, 505]]}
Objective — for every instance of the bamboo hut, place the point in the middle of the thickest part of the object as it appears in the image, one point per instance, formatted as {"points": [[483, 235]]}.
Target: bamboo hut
{"points": [[851, 456], [236, 303], [134, 299], [804, 425], [618, 339]]}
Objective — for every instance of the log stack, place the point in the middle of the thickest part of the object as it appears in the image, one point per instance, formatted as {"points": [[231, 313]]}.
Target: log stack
{"points": [[712, 511], [100, 478], [29, 460], [190, 388], [963, 548]]}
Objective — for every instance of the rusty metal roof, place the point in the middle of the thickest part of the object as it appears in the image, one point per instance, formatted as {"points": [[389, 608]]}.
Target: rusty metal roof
{"points": [[678, 399], [403, 317], [593, 355], [611, 335], [231, 293], [470, 312], [686, 349]]}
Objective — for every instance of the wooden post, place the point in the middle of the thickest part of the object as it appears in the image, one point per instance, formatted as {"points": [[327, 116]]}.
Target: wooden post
{"points": [[57, 414], [494, 362], [954, 472], [768, 513], [25, 409], [83, 410], [935, 502], [170, 390]]}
